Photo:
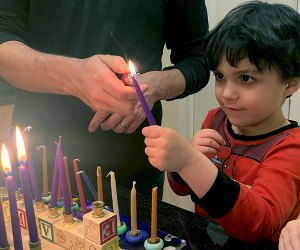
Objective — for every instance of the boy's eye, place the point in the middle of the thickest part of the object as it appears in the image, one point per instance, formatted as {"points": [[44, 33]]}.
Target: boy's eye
{"points": [[246, 79], [218, 75]]}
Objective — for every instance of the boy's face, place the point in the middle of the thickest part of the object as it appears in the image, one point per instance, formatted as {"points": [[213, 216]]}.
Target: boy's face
{"points": [[252, 100]]}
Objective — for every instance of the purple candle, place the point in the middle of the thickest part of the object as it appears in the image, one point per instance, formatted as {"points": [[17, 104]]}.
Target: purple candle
{"points": [[25, 183], [33, 234], [63, 176], [55, 180], [32, 173], [139, 92], [33, 178], [12, 156], [3, 237], [14, 217]]}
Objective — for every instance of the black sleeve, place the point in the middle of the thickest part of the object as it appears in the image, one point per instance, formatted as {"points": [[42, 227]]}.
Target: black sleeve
{"points": [[186, 29], [221, 197], [13, 20]]}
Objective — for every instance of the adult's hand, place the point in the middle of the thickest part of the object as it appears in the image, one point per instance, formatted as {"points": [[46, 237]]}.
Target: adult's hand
{"points": [[92, 80], [155, 85], [96, 84]]}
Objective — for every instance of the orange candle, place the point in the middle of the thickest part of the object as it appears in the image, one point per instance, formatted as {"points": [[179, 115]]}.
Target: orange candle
{"points": [[99, 183], [59, 190], [68, 178], [79, 186], [133, 213], [45, 169], [153, 239]]}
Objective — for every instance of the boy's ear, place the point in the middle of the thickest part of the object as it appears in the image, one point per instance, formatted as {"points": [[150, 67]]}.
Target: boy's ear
{"points": [[292, 86]]}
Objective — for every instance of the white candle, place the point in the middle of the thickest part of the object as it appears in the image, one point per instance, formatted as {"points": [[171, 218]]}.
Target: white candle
{"points": [[114, 196]]}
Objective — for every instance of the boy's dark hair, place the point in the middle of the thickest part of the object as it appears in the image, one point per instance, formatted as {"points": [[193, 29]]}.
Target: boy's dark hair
{"points": [[268, 34]]}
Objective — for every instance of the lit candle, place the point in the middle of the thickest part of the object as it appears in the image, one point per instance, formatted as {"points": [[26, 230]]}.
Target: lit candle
{"points": [[45, 169], [99, 184], [25, 183], [139, 92], [68, 178], [133, 214], [3, 238], [11, 151], [79, 186], [63, 179], [14, 217], [153, 239], [114, 196], [55, 181], [89, 184]]}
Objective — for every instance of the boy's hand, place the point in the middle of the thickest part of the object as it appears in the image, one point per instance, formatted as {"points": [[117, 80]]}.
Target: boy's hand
{"points": [[207, 141], [290, 236], [167, 150]]}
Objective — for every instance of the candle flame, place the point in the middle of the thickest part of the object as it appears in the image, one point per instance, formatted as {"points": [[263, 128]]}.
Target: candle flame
{"points": [[20, 146], [5, 160], [131, 68]]}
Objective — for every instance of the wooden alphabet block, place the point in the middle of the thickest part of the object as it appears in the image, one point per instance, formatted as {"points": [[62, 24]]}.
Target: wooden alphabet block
{"points": [[21, 213], [46, 224], [113, 244], [69, 235], [101, 229]]}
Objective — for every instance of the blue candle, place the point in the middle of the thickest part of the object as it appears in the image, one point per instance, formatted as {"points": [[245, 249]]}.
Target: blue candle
{"points": [[89, 184]]}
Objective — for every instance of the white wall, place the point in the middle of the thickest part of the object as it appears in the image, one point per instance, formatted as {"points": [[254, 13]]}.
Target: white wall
{"points": [[186, 115]]}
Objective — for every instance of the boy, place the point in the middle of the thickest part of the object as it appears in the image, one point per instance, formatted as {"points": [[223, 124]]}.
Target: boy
{"points": [[243, 167]]}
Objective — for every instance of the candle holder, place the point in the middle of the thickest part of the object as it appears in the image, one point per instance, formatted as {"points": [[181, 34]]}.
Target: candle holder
{"points": [[53, 212], [133, 239], [39, 205], [5, 248], [98, 209], [60, 203], [35, 246], [158, 245], [74, 207], [122, 228], [46, 198], [69, 218]]}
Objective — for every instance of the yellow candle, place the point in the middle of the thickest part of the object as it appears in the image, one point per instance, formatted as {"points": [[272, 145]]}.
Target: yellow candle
{"points": [[133, 213], [153, 239], [99, 184], [114, 196]]}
